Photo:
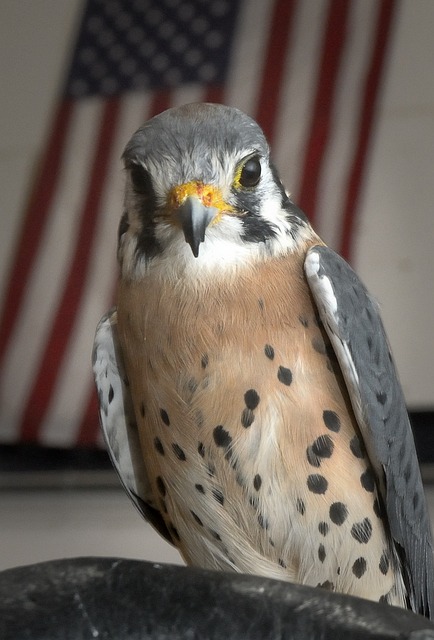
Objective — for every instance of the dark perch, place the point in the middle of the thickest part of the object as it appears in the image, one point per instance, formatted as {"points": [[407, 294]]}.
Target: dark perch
{"points": [[112, 598]]}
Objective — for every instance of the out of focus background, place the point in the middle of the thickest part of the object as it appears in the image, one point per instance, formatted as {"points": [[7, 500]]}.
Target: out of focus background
{"points": [[344, 90]]}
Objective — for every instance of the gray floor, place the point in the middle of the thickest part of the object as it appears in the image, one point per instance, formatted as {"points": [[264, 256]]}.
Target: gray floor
{"points": [[37, 525]]}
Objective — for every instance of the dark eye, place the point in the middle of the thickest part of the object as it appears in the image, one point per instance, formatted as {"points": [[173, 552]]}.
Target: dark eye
{"points": [[140, 179], [250, 172]]}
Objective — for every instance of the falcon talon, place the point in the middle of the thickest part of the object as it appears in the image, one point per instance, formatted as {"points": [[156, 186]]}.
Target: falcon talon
{"points": [[247, 394]]}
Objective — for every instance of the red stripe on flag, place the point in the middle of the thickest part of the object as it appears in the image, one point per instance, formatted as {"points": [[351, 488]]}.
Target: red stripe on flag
{"points": [[215, 94], [68, 307], [161, 100], [366, 124], [271, 84], [35, 219], [330, 58]]}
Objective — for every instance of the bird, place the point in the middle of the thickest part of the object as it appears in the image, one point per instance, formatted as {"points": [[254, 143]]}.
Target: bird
{"points": [[247, 392]]}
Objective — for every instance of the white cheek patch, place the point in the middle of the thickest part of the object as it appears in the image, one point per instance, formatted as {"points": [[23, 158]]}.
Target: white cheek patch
{"points": [[221, 250]]}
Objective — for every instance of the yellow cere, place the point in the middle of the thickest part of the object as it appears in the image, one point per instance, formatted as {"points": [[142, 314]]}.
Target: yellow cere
{"points": [[209, 195]]}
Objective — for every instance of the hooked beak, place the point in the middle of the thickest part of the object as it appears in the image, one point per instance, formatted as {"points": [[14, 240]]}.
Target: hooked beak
{"points": [[194, 217]]}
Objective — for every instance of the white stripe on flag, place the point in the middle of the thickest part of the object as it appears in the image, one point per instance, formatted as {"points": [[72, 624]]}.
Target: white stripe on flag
{"points": [[248, 49], [186, 94]]}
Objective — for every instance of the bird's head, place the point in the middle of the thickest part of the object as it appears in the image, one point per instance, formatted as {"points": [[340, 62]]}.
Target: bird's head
{"points": [[201, 174]]}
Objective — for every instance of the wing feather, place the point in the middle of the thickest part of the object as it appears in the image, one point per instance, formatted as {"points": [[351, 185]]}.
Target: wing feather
{"points": [[353, 324], [118, 421]]}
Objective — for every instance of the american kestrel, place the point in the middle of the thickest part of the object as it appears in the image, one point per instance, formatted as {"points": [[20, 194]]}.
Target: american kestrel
{"points": [[247, 392]]}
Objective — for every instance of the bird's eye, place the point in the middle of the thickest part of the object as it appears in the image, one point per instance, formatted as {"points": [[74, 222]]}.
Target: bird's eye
{"points": [[140, 179], [250, 172]]}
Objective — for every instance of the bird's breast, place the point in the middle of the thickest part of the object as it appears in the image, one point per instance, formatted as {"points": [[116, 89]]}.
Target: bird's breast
{"points": [[247, 431]]}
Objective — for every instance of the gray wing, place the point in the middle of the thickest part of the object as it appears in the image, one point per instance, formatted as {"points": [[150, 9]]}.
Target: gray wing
{"points": [[118, 421], [352, 322]]}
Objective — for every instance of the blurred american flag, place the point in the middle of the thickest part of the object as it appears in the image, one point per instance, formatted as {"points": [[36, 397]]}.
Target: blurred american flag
{"points": [[308, 70]]}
